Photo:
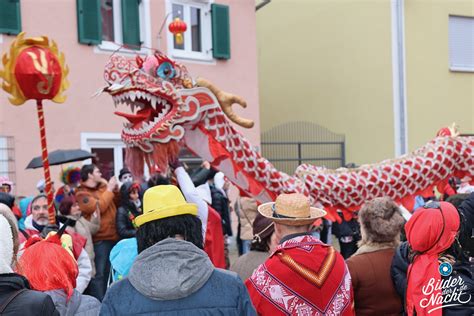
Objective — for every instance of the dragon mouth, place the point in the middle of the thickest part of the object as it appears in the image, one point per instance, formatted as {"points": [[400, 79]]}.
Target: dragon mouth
{"points": [[150, 113]]}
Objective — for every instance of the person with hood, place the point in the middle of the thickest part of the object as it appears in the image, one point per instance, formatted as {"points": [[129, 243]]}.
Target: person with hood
{"points": [[51, 269], [263, 244], [16, 296], [130, 208], [380, 222], [423, 268], [78, 224], [25, 209], [172, 274]]}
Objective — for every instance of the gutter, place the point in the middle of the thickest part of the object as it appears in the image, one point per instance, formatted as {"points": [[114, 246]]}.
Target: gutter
{"points": [[399, 78]]}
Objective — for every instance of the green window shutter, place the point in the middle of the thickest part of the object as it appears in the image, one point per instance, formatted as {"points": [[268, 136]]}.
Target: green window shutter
{"points": [[220, 31], [131, 23], [89, 22], [10, 17]]}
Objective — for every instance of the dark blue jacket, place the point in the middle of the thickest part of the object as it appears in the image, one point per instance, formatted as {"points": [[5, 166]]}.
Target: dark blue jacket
{"points": [[175, 277]]}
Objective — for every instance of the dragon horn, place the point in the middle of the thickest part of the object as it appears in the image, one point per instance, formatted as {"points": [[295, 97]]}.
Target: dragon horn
{"points": [[226, 100]]}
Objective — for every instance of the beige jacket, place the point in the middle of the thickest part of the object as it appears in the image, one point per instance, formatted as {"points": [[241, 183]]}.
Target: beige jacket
{"points": [[87, 229], [247, 213]]}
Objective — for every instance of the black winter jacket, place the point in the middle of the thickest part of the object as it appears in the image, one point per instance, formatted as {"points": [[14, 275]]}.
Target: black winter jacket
{"points": [[466, 231], [27, 303], [463, 269], [7, 199], [123, 222], [221, 204]]}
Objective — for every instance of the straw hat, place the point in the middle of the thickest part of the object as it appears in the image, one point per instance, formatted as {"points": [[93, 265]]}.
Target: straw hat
{"points": [[291, 209], [164, 201]]}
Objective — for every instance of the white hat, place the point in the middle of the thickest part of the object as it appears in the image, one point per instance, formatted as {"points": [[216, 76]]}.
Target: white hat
{"points": [[219, 180], [6, 246], [41, 185]]}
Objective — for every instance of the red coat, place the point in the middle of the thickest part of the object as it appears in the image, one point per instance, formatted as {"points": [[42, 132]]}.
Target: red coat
{"points": [[302, 277], [214, 243]]}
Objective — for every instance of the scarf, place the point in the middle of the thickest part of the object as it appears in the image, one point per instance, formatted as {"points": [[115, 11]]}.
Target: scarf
{"points": [[429, 232]]}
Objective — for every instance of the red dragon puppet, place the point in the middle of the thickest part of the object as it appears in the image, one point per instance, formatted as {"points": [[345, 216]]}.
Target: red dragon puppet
{"points": [[169, 109]]}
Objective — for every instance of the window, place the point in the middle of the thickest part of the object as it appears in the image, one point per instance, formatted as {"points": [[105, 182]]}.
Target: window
{"points": [[111, 23], [7, 160], [461, 43], [10, 17], [109, 152], [197, 42]]}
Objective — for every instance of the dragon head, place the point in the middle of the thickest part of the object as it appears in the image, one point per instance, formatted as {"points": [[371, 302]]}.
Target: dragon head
{"points": [[160, 98], [156, 109]]}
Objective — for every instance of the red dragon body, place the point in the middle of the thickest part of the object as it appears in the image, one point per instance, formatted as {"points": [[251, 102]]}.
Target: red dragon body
{"points": [[169, 110]]}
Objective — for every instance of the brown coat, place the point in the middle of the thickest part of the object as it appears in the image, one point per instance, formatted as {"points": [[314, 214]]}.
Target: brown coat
{"points": [[246, 264], [374, 292], [247, 213], [88, 198]]}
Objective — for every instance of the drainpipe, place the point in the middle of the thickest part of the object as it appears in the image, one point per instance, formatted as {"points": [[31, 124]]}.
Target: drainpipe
{"points": [[262, 4], [399, 77]]}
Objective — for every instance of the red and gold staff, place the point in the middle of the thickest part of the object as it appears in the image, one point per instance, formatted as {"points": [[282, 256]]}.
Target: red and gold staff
{"points": [[35, 70]]}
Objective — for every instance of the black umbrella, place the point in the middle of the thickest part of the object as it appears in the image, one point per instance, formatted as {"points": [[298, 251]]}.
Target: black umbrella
{"points": [[59, 157]]}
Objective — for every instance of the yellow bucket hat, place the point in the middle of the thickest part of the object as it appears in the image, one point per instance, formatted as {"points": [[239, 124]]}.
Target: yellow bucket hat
{"points": [[164, 201]]}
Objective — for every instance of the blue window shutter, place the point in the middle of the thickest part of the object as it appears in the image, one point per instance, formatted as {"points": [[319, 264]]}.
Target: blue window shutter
{"points": [[131, 23], [10, 17], [89, 22], [220, 31]]}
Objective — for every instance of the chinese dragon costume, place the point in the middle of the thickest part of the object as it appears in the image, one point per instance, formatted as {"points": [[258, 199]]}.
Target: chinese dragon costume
{"points": [[169, 109]]}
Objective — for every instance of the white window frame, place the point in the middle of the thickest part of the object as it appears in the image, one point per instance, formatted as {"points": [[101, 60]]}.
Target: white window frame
{"points": [[145, 31], [107, 140], [4, 156], [455, 21], [206, 31]]}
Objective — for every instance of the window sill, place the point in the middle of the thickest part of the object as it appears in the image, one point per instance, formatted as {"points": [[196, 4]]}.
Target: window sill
{"points": [[109, 47], [461, 69], [192, 57]]}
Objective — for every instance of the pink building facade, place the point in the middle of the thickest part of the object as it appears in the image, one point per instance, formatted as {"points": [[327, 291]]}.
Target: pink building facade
{"points": [[88, 122]]}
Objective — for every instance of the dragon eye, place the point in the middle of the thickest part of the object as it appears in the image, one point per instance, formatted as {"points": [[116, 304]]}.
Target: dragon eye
{"points": [[166, 71]]}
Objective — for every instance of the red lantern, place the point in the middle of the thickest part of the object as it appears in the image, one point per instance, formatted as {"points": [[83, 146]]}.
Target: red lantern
{"points": [[178, 27]]}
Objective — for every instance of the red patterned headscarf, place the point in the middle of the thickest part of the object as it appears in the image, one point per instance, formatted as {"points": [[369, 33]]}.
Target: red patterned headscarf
{"points": [[429, 231]]}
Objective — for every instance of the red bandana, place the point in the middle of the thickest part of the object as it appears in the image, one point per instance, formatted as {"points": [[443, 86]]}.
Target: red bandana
{"points": [[429, 232]]}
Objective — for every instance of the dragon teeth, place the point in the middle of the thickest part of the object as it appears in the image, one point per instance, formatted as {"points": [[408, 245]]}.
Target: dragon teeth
{"points": [[153, 102]]}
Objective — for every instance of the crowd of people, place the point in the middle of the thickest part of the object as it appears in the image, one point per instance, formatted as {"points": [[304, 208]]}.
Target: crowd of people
{"points": [[162, 246]]}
